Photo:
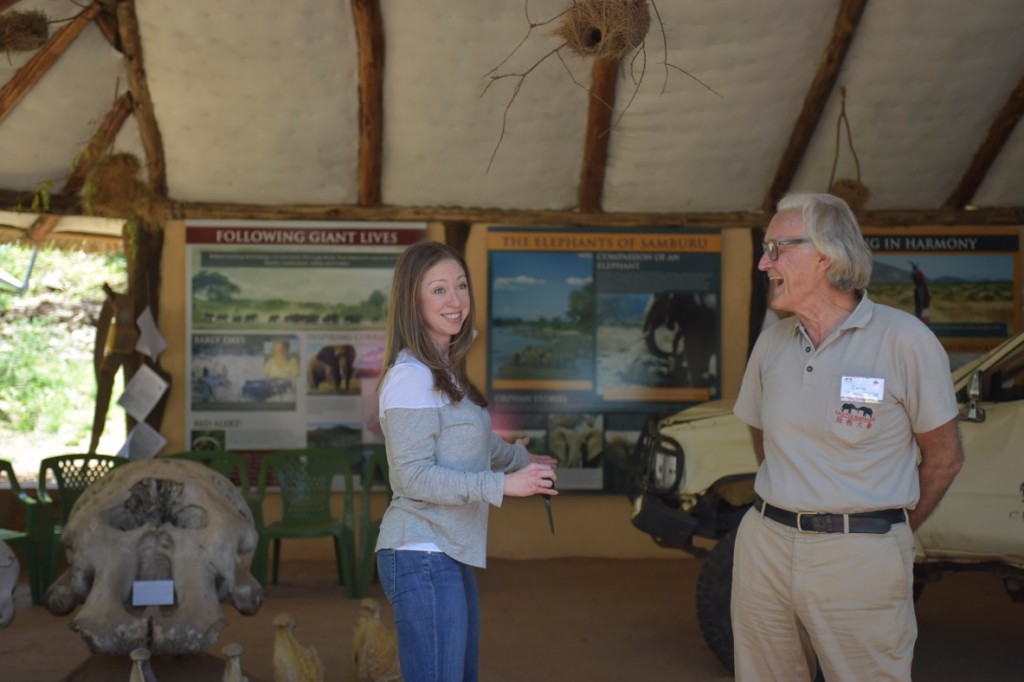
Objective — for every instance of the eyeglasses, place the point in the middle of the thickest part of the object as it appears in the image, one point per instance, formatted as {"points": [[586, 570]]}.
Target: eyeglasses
{"points": [[771, 246]]}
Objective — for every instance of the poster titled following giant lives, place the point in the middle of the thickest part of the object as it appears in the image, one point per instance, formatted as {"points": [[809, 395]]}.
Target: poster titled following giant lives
{"points": [[961, 283], [591, 331], [285, 331]]}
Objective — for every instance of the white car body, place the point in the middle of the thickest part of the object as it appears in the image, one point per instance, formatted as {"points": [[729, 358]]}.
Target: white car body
{"points": [[980, 520]]}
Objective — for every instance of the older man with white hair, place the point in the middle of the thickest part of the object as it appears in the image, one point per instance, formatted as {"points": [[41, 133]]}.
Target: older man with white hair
{"points": [[838, 398]]}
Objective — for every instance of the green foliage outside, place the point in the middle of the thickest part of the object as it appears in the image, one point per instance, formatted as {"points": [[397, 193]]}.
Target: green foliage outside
{"points": [[47, 334]]}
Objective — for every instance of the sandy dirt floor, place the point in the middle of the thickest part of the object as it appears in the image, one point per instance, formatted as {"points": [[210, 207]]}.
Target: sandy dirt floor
{"points": [[592, 620]]}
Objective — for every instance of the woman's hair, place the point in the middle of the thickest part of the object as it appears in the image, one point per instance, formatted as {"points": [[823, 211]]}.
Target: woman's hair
{"points": [[831, 226], [407, 330]]}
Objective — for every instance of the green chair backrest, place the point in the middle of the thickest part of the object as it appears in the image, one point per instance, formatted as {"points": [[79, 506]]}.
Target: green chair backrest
{"points": [[375, 471], [26, 535], [7, 530], [304, 477], [73, 474]]}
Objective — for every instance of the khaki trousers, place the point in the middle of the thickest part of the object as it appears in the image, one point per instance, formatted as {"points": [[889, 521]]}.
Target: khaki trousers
{"points": [[846, 598]]}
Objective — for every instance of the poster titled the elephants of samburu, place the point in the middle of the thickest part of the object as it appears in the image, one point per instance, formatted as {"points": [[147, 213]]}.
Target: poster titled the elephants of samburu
{"points": [[285, 336], [963, 283], [591, 331]]}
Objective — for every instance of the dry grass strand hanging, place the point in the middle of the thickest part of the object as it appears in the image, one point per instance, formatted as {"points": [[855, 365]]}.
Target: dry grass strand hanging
{"points": [[852, 191], [609, 29], [115, 189], [23, 31]]}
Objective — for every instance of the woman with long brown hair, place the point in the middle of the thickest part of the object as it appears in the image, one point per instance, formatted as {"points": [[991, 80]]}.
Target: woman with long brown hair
{"points": [[446, 467]]}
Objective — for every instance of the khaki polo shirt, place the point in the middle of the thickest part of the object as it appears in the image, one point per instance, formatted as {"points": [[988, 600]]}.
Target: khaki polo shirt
{"points": [[824, 450]]}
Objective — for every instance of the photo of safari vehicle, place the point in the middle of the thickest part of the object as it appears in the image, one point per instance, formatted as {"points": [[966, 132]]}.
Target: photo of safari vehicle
{"points": [[697, 475]]}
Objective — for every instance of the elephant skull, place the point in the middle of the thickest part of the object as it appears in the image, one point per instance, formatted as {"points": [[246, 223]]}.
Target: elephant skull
{"points": [[8, 581], [160, 519]]}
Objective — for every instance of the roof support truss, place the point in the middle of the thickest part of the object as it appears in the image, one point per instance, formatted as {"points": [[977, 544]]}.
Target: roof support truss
{"points": [[814, 103], [1000, 131], [370, 36]]}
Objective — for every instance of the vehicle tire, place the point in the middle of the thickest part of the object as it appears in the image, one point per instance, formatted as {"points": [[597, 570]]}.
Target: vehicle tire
{"points": [[714, 594]]}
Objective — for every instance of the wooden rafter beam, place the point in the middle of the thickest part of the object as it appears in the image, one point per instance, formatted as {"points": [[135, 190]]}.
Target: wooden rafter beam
{"points": [[106, 22], [370, 37], [824, 81], [998, 133], [42, 228], [145, 117], [709, 220], [62, 204], [603, 79], [100, 142], [36, 67]]}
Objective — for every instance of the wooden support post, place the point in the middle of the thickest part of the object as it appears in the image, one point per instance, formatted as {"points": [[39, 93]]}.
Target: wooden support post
{"points": [[599, 122], [370, 36]]}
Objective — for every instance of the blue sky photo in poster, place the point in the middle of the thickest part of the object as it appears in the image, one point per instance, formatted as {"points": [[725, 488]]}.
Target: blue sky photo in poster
{"points": [[531, 285], [542, 318]]}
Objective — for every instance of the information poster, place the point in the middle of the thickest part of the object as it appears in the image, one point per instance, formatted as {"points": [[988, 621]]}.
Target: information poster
{"points": [[286, 327], [591, 331], [963, 285]]}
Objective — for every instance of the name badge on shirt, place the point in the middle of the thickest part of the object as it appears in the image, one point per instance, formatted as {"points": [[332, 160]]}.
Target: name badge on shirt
{"points": [[862, 389]]}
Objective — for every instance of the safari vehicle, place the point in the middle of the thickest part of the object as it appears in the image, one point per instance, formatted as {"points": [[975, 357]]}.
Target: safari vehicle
{"points": [[697, 480]]}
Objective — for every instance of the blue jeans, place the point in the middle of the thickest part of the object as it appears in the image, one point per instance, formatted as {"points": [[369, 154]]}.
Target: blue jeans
{"points": [[437, 614]]}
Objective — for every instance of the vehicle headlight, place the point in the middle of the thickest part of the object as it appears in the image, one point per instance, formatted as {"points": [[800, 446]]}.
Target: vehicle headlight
{"points": [[665, 471]]}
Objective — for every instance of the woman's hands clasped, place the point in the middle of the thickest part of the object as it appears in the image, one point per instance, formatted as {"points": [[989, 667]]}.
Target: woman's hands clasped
{"points": [[537, 477]]}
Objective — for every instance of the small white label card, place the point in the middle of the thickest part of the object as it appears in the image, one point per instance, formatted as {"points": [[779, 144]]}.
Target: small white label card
{"points": [[153, 593], [142, 393], [143, 442], [150, 342], [862, 389]]}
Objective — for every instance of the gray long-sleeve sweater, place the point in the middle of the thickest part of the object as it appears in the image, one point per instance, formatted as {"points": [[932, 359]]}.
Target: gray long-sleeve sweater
{"points": [[446, 466]]}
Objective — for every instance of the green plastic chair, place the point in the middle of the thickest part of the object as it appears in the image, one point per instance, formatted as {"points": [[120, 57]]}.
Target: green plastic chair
{"points": [[72, 475], [375, 469], [27, 538], [304, 478], [234, 466]]}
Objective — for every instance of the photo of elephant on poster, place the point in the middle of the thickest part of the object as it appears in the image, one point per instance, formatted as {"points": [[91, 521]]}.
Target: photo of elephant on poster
{"points": [[576, 440], [657, 340]]}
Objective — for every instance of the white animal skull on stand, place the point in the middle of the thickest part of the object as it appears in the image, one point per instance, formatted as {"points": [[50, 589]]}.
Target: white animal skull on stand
{"points": [[9, 569], [160, 519]]}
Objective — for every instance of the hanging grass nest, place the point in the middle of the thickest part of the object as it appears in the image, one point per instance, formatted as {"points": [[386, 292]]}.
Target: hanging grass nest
{"points": [[853, 192], [610, 29], [115, 189], [23, 31]]}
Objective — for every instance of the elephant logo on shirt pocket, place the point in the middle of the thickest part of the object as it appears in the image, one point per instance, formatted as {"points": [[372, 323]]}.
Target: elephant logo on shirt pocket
{"points": [[851, 418]]}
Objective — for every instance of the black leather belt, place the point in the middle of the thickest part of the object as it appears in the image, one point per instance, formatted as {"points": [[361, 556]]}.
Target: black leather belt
{"points": [[813, 522]]}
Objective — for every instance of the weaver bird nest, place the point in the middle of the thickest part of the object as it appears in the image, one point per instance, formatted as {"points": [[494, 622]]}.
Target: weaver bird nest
{"points": [[115, 189], [604, 29], [23, 31], [610, 29], [853, 192]]}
